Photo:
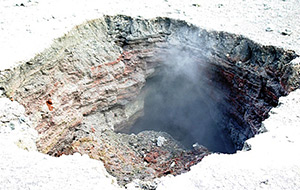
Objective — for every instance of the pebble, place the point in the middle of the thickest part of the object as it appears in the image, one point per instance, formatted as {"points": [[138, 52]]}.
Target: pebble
{"points": [[286, 32], [268, 29], [160, 141]]}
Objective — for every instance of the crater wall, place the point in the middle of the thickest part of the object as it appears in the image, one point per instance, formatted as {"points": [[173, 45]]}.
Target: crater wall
{"points": [[89, 83]]}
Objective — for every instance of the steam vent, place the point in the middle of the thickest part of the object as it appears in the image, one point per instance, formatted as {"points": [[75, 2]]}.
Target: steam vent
{"points": [[149, 97]]}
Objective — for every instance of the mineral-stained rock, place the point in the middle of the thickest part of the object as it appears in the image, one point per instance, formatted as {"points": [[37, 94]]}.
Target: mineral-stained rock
{"points": [[89, 83]]}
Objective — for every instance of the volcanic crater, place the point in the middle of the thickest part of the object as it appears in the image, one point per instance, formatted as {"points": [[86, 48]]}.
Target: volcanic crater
{"points": [[149, 97]]}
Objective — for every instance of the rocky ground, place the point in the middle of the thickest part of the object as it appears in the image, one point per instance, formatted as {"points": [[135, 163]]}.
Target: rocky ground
{"points": [[144, 156], [275, 21]]}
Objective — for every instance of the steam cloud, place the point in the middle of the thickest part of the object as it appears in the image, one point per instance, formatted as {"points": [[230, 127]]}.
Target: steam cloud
{"points": [[179, 101]]}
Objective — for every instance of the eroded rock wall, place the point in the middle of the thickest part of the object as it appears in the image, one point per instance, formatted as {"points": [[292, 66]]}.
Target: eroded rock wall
{"points": [[251, 77], [83, 73]]}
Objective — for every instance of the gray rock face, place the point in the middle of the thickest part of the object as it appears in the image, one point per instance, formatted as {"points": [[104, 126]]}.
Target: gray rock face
{"points": [[91, 81]]}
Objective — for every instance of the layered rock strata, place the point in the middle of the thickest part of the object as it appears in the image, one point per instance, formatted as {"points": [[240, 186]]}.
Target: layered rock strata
{"points": [[89, 84]]}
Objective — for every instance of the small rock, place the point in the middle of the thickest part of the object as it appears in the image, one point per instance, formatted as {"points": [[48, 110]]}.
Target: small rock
{"points": [[262, 129], [148, 185], [22, 119], [246, 147], [286, 32], [12, 126], [265, 182], [160, 141], [241, 52], [196, 145], [196, 5], [150, 159], [126, 179], [172, 165], [268, 29]]}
